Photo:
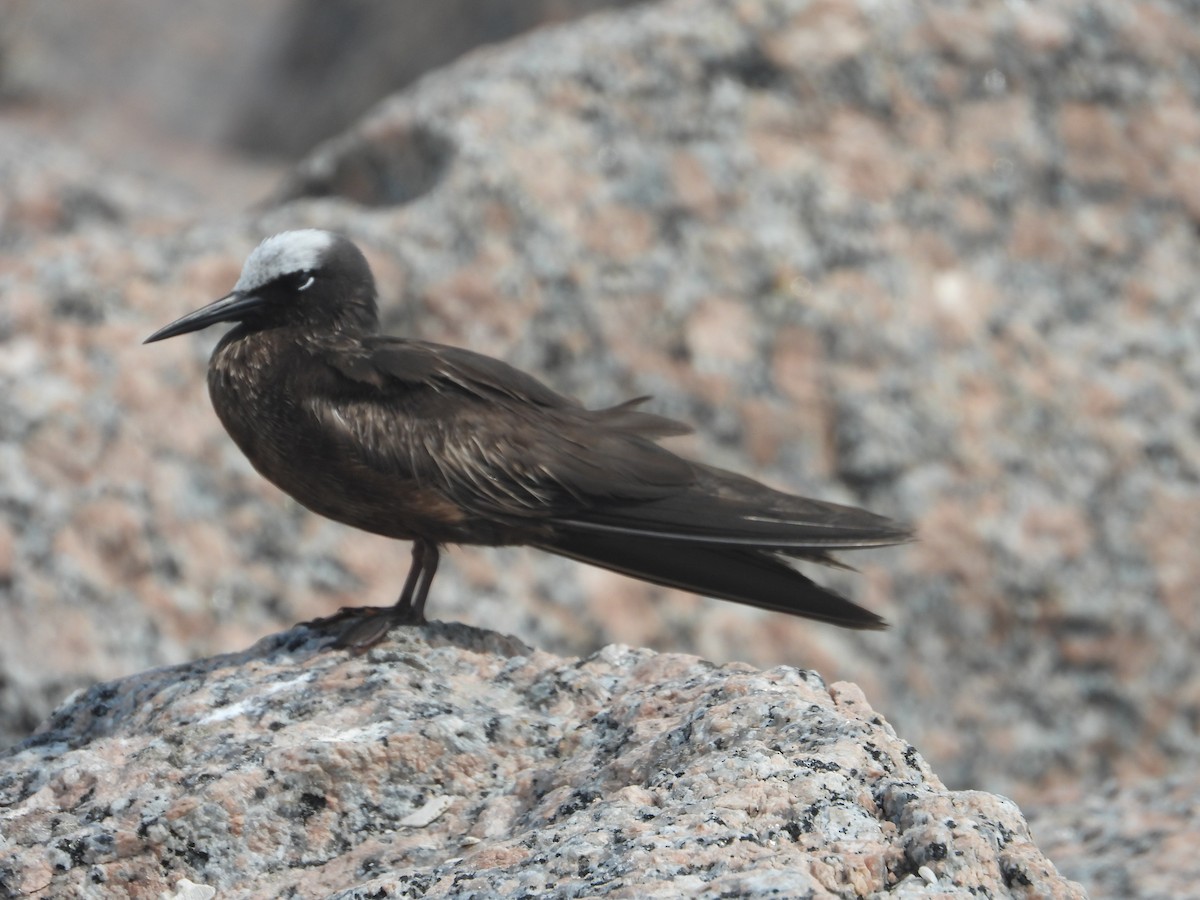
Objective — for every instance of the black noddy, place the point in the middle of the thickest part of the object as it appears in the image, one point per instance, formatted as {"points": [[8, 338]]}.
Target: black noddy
{"points": [[437, 445]]}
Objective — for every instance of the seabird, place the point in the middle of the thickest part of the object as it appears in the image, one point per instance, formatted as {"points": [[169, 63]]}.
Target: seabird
{"points": [[437, 445]]}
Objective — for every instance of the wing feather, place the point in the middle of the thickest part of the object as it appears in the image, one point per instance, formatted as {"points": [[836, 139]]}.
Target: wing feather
{"points": [[499, 443], [494, 439]]}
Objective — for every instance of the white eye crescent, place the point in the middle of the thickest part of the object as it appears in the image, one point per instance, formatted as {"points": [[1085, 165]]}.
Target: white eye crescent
{"points": [[307, 284]]}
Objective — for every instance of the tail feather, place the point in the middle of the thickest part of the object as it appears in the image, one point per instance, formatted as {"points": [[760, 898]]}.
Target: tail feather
{"points": [[726, 508], [754, 577]]}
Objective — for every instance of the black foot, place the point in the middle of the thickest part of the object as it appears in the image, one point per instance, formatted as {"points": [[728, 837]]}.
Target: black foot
{"points": [[359, 628]]}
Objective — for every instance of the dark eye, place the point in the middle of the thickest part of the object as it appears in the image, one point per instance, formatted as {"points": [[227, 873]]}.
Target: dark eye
{"points": [[302, 281]]}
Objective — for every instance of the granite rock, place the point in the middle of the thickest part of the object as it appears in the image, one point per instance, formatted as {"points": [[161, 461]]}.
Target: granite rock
{"points": [[449, 761]]}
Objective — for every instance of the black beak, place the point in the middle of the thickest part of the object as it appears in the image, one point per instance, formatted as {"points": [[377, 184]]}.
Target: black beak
{"points": [[232, 308]]}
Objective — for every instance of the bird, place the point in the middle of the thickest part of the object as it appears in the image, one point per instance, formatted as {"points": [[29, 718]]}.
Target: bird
{"points": [[438, 445]]}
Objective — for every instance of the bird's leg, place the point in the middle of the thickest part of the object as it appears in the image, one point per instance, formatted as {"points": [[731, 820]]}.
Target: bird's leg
{"points": [[368, 625], [404, 601], [429, 556]]}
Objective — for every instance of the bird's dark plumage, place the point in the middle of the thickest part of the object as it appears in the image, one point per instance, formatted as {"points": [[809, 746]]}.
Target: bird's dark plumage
{"points": [[433, 444]]}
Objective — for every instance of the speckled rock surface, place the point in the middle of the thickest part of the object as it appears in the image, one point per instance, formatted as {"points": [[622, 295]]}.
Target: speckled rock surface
{"points": [[449, 761]]}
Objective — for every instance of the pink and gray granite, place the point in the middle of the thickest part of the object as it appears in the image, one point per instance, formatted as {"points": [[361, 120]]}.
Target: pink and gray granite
{"points": [[457, 762]]}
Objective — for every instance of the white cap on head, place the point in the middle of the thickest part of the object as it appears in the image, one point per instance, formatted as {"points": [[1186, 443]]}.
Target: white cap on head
{"points": [[290, 251]]}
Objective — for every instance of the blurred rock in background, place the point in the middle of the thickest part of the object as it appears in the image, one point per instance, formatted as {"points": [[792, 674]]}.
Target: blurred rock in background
{"points": [[271, 78], [327, 63]]}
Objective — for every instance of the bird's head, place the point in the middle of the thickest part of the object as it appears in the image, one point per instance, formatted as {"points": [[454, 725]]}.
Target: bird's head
{"points": [[311, 278]]}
